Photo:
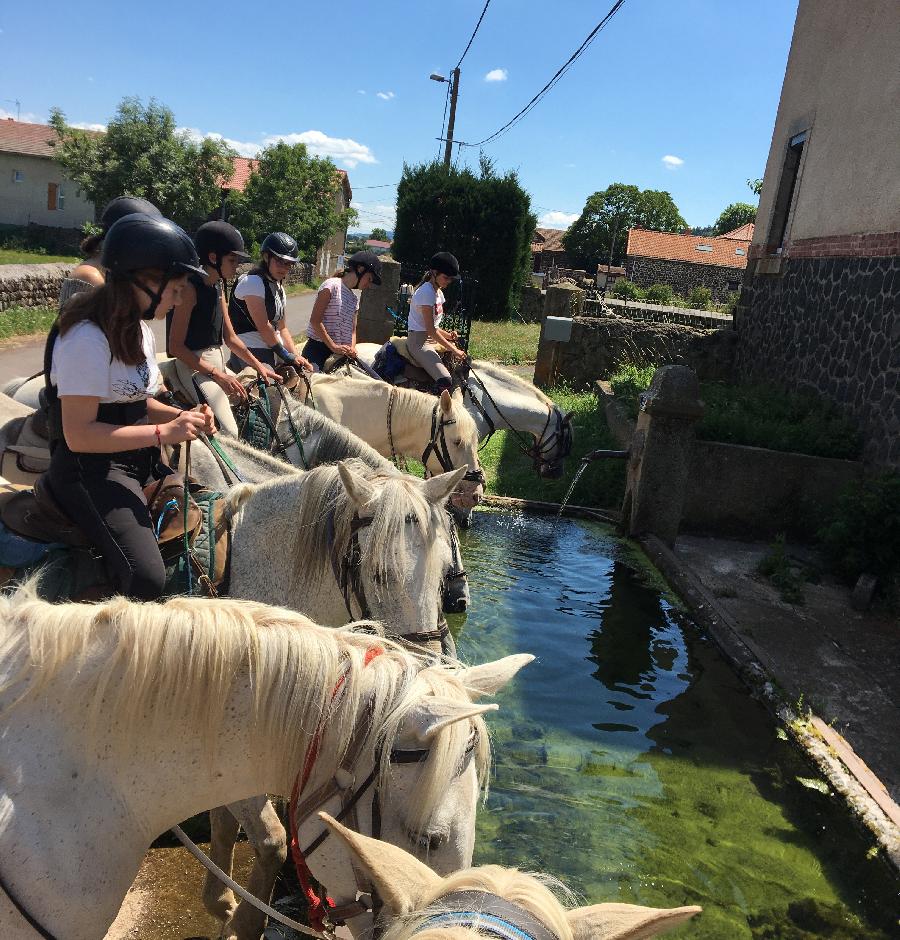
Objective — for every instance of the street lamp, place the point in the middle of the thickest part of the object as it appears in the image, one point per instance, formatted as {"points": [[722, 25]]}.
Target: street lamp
{"points": [[454, 91]]}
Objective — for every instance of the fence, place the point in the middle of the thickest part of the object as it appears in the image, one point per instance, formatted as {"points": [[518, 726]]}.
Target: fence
{"points": [[459, 300], [657, 313]]}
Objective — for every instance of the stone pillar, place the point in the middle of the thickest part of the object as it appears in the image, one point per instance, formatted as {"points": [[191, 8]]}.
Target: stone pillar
{"points": [[660, 460], [560, 300], [374, 324]]}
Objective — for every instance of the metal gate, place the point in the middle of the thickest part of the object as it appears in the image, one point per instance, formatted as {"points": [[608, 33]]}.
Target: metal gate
{"points": [[459, 303]]}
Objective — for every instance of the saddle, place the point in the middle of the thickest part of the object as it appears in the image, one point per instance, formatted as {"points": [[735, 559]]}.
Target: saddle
{"points": [[24, 462], [394, 363]]}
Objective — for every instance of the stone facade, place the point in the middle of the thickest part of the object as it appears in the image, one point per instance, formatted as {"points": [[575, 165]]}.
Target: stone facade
{"points": [[684, 276], [831, 325], [600, 345], [31, 285]]}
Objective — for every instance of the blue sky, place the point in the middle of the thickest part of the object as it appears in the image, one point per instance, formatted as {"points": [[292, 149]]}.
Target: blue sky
{"points": [[678, 95]]}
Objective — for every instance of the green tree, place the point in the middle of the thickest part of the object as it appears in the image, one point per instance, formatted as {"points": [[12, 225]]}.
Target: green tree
{"points": [[484, 218], [141, 154], [603, 224], [290, 191], [379, 235], [734, 216], [755, 185]]}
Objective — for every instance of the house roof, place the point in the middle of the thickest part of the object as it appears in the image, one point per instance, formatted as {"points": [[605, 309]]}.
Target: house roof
{"points": [[728, 252], [244, 166], [547, 239], [33, 139], [606, 269], [744, 232], [375, 243]]}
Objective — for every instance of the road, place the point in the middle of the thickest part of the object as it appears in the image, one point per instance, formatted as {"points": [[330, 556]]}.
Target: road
{"points": [[26, 356]]}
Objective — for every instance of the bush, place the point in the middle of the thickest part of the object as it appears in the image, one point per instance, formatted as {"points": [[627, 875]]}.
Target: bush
{"points": [[863, 535], [629, 381], [700, 298], [660, 294], [627, 290], [732, 302]]}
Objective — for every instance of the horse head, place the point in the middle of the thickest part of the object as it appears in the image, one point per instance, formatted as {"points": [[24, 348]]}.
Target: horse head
{"points": [[454, 443]]}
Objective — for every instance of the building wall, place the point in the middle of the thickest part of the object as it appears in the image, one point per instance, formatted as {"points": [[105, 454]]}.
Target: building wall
{"points": [[25, 202], [825, 314], [842, 84], [327, 256], [684, 276]]}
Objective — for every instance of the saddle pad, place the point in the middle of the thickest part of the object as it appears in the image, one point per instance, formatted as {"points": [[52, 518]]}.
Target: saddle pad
{"points": [[22, 464]]}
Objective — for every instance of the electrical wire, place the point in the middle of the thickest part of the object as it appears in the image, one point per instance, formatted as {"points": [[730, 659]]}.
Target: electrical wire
{"points": [[443, 121], [559, 74], [474, 32]]}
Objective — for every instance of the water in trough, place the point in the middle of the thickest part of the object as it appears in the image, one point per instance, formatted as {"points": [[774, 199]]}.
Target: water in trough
{"points": [[630, 760]]}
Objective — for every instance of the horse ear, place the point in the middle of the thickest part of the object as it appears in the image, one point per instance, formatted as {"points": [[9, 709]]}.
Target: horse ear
{"points": [[439, 713], [489, 678], [359, 490], [402, 881], [457, 395], [438, 488], [625, 921], [446, 402]]}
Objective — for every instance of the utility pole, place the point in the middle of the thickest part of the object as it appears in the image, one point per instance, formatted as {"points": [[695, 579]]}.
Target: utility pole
{"points": [[454, 91]]}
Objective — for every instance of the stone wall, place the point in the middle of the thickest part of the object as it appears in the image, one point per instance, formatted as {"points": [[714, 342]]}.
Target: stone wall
{"points": [[659, 313], [600, 345], [31, 285], [684, 276], [531, 307], [830, 325]]}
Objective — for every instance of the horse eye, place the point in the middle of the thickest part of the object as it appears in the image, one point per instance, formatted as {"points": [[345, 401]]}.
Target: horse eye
{"points": [[458, 444]]}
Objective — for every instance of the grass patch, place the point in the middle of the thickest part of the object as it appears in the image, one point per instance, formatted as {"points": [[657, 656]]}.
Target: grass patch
{"points": [[787, 575], [507, 343], [24, 321], [293, 289], [16, 256], [758, 416], [509, 472]]}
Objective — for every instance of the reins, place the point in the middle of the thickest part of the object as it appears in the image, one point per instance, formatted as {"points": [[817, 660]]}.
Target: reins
{"points": [[437, 445]]}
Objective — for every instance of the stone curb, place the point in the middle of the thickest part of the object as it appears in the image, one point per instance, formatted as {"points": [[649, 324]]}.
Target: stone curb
{"points": [[862, 792]]}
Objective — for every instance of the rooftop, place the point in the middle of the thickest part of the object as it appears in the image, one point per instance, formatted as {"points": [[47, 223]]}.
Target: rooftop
{"points": [[547, 239], [725, 250], [36, 140]]}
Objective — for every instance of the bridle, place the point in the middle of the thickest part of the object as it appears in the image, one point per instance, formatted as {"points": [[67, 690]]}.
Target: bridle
{"points": [[347, 570], [488, 914], [558, 442], [437, 445], [299, 811]]}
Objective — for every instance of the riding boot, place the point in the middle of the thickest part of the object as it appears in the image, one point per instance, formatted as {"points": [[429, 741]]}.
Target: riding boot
{"points": [[441, 384]]}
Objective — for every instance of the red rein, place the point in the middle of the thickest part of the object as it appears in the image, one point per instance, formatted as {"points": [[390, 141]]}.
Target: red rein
{"points": [[318, 906]]}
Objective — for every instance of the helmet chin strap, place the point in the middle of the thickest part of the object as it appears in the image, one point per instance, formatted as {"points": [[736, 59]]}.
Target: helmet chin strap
{"points": [[155, 298]]}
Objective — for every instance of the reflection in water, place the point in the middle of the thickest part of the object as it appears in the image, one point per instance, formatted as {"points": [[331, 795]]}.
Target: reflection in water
{"points": [[629, 760]]}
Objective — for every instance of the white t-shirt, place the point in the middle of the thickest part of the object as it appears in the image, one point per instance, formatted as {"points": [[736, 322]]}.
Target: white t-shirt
{"points": [[251, 285], [82, 365], [425, 296]]}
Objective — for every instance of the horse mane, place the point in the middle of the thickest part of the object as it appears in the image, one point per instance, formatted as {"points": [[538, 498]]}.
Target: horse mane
{"points": [[324, 524], [505, 377], [539, 894], [417, 407], [335, 441], [131, 660]]}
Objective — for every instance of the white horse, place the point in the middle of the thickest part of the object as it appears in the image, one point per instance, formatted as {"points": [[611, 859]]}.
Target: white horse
{"points": [[498, 400], [500, 902], [404, 423], [113, 728]]}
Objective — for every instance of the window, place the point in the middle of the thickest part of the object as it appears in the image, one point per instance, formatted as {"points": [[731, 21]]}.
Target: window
{"points": [[60, 198], [703, 247], [739, 251], [18, 176], [52, 192], [734, 287], [785, 195]]}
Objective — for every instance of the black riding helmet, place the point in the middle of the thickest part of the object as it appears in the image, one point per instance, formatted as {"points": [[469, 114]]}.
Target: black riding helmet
{"points": [[126, 205], [444, 263], [369, 261], [219, 239], [281, 246], [139, 241]]}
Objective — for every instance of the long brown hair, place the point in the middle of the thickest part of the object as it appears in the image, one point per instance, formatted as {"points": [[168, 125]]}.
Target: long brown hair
{"points": [[113, 308]]}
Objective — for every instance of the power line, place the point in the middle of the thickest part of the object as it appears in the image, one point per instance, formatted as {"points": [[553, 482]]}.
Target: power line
{"points": [[559, 74], [474, 31], [377, 186], [443, 121]]}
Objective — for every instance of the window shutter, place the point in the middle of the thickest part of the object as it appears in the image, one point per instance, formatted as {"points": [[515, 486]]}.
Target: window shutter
{"points": [[51, 195]]}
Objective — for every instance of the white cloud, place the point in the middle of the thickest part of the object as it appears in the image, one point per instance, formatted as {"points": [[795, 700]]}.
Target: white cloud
{"points": [[374, 215], [27, 117], [343, 150], [360, 91], [672, 163], [557, 219], [496, 75], [386, 95], [86, 126]]}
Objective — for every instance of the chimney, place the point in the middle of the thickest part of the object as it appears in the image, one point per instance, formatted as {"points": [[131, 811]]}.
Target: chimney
{"points": [[687, 231]]}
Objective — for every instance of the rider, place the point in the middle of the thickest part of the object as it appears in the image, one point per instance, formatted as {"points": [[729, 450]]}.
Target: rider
{"points": [[197, 326], [106, 429], [332, 325], [257, 306], [89, 273], [426, 309]]}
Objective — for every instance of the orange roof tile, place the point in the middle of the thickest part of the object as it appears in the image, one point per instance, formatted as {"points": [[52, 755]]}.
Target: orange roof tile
{"points": [[33, 139], [744, 232], [697, 249], [548, 239], [243, 167]]}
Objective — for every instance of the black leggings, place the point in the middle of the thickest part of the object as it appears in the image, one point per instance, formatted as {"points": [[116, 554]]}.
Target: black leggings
{"points": [[316, 352], [103, 494]]}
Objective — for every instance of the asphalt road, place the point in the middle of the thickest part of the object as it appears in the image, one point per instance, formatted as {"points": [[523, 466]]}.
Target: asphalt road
{"points": [[26, 357]]}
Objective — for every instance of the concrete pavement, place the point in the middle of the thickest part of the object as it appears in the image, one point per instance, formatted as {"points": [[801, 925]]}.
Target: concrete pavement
{"points": [[25, 356]]}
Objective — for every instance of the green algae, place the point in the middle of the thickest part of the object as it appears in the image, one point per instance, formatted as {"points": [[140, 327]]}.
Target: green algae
{"points": [[630, 761]]}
